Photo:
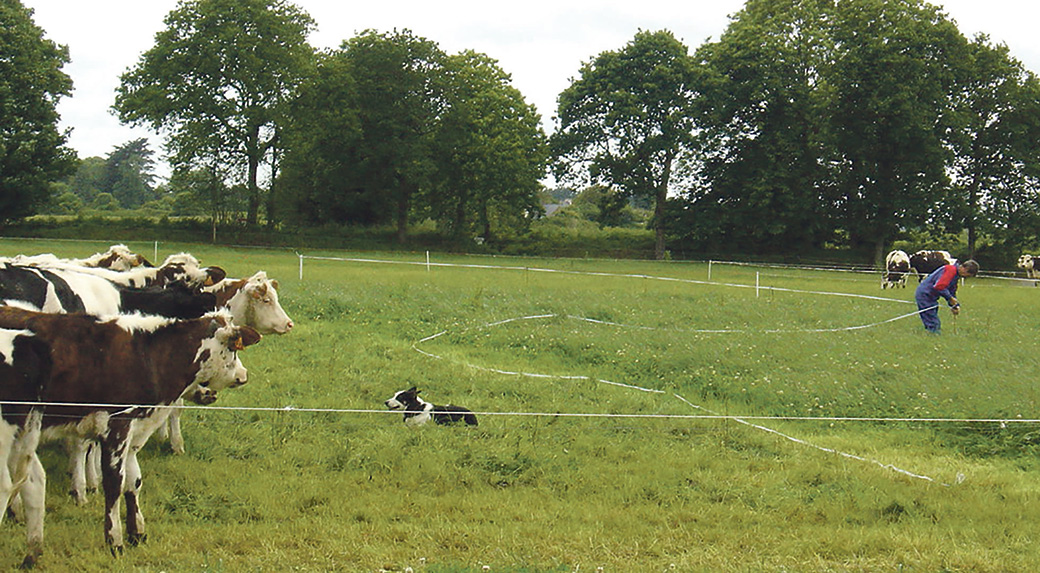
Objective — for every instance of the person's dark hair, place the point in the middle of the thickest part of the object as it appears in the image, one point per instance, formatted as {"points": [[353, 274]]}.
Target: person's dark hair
{"points": [[971, 266]]}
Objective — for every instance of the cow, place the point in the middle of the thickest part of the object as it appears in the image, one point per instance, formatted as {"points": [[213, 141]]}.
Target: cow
{"points": [[111, 379], [116, 258], [66, 290], [924, 262], [181, 267], [1031, 265], [252, 301], [897, 265]]}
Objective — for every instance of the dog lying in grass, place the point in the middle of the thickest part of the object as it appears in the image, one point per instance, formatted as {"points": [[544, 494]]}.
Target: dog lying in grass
{"points": [[418, 411]]}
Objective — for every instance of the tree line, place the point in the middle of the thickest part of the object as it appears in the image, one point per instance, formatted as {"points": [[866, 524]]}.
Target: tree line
{"points": [[807, 124]]}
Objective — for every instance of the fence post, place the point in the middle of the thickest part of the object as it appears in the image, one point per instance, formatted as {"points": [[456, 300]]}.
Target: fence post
{"points": [[757, 273], [301, 265]]}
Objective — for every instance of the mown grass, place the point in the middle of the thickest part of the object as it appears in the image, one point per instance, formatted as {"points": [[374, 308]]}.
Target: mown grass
{"points": [[289, 489]]}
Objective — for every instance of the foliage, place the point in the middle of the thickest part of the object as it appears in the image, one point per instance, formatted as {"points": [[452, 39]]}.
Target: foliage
{"points": [[32, 150], [628, 119], [490, 150], [842, 123], [995, 186], [217, 82]]}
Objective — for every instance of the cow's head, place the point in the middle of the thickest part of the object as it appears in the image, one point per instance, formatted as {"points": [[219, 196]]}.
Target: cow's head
{"points": [[184, 267], [120, 258], [217, 357], [256, 304], [1025, 262]]}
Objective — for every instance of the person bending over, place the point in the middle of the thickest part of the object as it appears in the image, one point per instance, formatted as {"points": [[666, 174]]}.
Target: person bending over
{"points": [[942, 282]]}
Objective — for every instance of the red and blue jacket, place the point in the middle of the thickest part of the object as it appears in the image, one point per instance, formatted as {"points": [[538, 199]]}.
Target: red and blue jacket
{"points": [[943, 282]]}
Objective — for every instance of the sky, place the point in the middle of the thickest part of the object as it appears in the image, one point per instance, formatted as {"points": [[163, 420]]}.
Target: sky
{"points": [[540, 43]]}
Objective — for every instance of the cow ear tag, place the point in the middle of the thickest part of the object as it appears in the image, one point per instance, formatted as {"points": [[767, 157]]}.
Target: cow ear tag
{"points": [[237, 344]]}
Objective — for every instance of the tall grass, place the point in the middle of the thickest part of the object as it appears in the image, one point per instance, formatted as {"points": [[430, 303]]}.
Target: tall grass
{"points": [[283, 487]]}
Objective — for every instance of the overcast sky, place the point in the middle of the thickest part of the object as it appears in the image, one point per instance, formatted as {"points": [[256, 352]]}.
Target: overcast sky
{"points": [[541, 43]]}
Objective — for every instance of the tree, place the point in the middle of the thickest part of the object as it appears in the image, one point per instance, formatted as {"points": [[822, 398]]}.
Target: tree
{"points": [[32, 150], [893, 72], [128, 174], [994, 173], [399, 84], [627, 120], [763, 180], [324, 163], [489, 152], [218, 80]]}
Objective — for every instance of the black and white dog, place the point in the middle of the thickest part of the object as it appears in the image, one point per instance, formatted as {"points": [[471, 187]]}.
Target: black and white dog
{"points": [[418, 411]]}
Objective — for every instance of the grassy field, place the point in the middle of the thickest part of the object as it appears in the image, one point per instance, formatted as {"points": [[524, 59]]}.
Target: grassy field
{"points": [[573, 472]]}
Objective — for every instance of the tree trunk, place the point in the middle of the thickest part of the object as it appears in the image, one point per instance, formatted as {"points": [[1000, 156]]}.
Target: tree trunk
{"points": [[253, 156], [403, 204]]}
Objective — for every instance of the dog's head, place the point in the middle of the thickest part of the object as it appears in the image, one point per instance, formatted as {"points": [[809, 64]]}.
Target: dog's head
{"points": [[406, 400]]}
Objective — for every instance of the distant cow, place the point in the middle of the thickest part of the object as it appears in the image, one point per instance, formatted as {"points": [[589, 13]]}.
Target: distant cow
{"points": [[116, 258], [897, 265], [1031, 265], [924, 262], [76, 374]]}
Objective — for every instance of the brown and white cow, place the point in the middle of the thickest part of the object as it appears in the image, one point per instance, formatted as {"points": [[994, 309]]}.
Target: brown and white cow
{"points": [[252, 302], [924, 262], [111, 379], [897, 265], [1031, 265]]}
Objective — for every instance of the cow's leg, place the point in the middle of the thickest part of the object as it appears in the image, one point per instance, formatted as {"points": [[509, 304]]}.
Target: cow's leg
{"points": [[77, 448], [113, 469], [7, 432], [131, 487], [174, 423], [93, 465], [31, 482]]}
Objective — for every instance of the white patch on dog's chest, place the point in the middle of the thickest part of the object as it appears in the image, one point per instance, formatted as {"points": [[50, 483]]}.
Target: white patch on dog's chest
{"points": [[413, 418]]}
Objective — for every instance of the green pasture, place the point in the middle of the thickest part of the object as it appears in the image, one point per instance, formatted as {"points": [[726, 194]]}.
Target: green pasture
{"points": [[570, 470]]}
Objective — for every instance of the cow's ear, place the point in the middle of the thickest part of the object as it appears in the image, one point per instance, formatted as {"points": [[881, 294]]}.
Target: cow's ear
{"points": [[246, 336], [214, 275], [274, 284], [413, 390]]}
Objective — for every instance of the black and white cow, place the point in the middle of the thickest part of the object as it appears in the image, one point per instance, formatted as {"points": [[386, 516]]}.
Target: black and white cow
{"points": [[68, 290], [897, 266], [924, 262], [1031, 265], [75, 374]]}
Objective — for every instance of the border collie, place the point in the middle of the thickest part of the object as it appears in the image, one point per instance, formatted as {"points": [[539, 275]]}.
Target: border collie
{"points": [[418, 411]]}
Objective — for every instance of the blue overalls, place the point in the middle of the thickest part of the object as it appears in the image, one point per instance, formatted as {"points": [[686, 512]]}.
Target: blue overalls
{"points": [[942, 282]]}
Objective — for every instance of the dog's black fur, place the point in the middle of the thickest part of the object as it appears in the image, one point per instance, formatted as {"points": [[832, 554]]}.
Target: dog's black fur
{"points": [[418, 411]]}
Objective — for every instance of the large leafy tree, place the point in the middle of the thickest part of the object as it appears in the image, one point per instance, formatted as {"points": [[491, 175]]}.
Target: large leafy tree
{"points": [[218, 80], [763, 183], [32, 149], [323, 163], [628, 119], [894, 68], [995, 185], [490, 151], [399, 83]]}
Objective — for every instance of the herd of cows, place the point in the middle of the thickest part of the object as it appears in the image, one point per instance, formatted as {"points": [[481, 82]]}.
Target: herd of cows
{"points": [[97, 353]]}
